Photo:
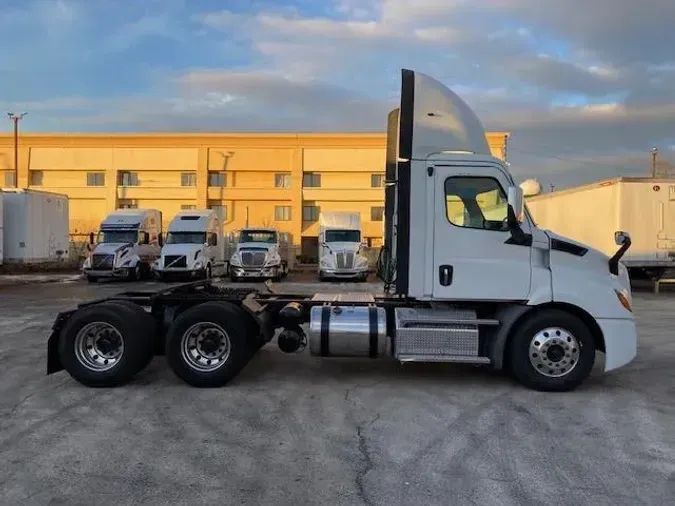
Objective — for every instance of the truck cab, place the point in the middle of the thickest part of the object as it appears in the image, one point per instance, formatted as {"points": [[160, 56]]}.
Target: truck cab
{"points": [[257, 255], [340, 244], [193, 246], [127, 244]]}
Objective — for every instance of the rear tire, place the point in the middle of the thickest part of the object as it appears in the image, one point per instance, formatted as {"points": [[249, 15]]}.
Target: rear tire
{"points": [[147, 323], [92, 279], [208, 345], [103, 345], [551, 351]]}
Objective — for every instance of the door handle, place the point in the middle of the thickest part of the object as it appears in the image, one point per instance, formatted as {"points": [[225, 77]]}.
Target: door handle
{"points": [[445, 275]]}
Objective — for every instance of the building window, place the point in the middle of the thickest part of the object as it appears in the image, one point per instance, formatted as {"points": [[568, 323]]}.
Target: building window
{"points": [[376, 180], [310, 213], [282, 180], [217, 179], [282, 213], [221, 211], [376, 213], [10, 179], [127, 179], [476, 202], [188, 179], [285, 237], [95, 178], [187, 207], [36, 177], [311, 180], [127, 204]]}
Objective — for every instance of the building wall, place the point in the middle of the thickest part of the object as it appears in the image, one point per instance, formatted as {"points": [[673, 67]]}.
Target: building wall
{"points": [[174, 170]]}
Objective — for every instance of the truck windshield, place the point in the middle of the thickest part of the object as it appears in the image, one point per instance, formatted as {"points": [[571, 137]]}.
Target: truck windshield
{"points": [[258, 236], [118, 236], [186, 238], [343, 236]]}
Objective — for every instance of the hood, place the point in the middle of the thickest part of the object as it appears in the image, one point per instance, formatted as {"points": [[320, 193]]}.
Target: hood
{"points": [[344, 246], [592, 255], [108, 248], [181, 249], [260, 245]]}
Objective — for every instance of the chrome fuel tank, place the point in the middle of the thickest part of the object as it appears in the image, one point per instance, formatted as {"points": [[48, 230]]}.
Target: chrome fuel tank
{"points": [[348, 331]]}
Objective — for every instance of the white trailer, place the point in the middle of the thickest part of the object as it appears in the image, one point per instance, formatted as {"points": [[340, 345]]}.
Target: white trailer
{"points": [[128, 243], [495, 291], [257, 255], [193, 246], [340, 243], [642, 206], [35, 227]]}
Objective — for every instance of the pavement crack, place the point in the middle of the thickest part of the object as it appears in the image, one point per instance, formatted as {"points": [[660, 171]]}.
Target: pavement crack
{"points": [[349, 390], [366, 466]]}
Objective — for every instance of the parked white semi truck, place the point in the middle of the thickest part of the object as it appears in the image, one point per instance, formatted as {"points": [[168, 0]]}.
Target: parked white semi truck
{"points": [[258, 255], [193, 246], [497, 292], [340, 243], [590, 213], [128, 243]]}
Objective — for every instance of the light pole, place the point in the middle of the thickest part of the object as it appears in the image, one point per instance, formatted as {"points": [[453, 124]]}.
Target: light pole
{"points": [[655, 152], [16, 118]]}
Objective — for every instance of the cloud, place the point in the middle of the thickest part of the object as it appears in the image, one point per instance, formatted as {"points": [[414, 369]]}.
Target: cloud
{"points": [[585, 88]]}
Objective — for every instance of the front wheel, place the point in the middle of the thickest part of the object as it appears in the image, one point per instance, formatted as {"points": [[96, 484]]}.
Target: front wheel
{"points": [[552, 351]]}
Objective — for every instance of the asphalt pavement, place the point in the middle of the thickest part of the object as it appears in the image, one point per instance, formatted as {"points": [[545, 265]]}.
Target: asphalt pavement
{"points": [[293, 429]]}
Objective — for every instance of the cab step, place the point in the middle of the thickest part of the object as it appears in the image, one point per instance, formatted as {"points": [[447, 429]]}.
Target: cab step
{"points": [[439, 335]]}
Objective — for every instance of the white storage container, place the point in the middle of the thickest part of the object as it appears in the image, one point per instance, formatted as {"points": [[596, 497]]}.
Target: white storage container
{"points": [[35, 226], [591, 213]]}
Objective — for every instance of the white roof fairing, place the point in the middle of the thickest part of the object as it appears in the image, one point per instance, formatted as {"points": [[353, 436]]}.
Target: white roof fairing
{"points": [[443, 122]]}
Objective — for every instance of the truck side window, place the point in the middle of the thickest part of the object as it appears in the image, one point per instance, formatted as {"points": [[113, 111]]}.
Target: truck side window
{"points": [[476, 202]]}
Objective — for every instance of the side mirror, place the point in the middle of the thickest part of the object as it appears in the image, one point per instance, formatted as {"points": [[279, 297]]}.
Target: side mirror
{"points": [[160, 239], [214, 239], [516, 204], [621, 238], [145, 238], [91, 238]]}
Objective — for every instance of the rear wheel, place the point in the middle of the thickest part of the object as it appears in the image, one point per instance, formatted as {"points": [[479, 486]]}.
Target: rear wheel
{"points": [[103, 345], [147, 323], [552, 351], [208, 345]]}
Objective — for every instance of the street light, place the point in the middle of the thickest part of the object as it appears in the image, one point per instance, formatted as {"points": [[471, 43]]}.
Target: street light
{"points": [[16, 118], [655, 152]]}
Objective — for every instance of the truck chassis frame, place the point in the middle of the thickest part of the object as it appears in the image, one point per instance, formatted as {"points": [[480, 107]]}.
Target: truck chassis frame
{"points": [[137, 325]]}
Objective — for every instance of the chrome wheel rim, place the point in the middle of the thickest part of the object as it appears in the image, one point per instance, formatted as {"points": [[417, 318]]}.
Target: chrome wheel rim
{"points": [[205, 346], [554, 352], [99, 346]]}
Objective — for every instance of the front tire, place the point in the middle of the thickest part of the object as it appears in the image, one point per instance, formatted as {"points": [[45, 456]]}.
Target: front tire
{"points": [[208, 345], [551, 351]]}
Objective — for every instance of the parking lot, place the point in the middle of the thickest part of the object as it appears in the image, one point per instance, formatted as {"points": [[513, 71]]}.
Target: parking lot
{"points": [[293, 429]]}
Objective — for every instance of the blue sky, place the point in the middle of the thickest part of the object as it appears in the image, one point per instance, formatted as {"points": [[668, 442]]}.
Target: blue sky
{"points": [[585, 88]]}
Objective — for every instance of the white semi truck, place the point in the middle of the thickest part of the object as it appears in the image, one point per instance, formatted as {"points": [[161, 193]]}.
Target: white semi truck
{"points": [[193, 246], [258, 255], [590, 213], [496, 292], [128, 243], [340, 243]]}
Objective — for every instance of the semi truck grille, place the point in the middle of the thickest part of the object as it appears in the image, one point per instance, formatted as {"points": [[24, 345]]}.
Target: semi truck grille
{"points": [[253, 258], [345, 260], [175, 261], [102, 262]]}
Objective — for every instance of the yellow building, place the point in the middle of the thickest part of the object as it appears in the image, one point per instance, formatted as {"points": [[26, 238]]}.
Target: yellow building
{"points": [[278, 180]]}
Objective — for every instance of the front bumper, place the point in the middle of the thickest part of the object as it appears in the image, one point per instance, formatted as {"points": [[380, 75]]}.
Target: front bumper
{"points": [[345, 273], [251, 272], [120, 272], [620, 336]]}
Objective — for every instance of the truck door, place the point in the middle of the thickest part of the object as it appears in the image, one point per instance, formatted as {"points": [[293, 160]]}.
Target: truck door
{"points": [[474, 258]]}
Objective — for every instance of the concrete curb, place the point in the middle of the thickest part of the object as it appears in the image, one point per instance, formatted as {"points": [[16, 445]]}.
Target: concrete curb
{"points": [[34, 279]]}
